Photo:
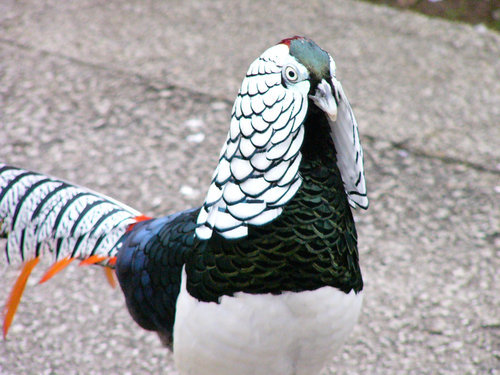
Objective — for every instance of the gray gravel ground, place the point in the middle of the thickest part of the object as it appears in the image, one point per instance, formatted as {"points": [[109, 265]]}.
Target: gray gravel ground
{"points": [[117, 95]]}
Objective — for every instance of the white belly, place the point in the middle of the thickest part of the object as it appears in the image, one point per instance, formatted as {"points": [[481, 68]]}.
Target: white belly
{"points": [[287, 334]]}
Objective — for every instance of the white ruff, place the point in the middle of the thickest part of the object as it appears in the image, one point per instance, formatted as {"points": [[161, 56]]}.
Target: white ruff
{"points": [[287, 334]]}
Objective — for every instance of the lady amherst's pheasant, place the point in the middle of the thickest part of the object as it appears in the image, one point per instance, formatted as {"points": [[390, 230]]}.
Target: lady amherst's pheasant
{"points": [[264, 277]]}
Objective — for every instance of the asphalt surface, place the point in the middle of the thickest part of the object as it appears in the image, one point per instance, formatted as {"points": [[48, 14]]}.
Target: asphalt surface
{"points": [[132, 99]]}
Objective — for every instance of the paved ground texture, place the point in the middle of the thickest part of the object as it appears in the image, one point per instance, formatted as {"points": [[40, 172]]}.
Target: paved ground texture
{"points": [[132, 98]]}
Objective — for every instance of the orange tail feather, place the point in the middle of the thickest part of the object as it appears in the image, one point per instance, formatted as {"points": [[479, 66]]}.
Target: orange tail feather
{"points": [[16, 294], [110, 276], [55, 268], [93, 259]]}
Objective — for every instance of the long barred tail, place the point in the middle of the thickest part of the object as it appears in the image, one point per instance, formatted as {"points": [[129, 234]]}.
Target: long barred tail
{"points": [[42, 215]]}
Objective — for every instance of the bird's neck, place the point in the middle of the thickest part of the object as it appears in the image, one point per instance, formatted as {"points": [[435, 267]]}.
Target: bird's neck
{"points": [[317, 147], [313, 243]]}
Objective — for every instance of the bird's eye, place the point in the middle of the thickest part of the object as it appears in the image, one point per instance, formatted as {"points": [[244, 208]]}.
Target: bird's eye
{"points": [[291, 74]]}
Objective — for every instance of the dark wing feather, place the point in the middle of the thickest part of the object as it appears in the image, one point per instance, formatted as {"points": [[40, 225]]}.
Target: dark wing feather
{"points": [[149, 268]]}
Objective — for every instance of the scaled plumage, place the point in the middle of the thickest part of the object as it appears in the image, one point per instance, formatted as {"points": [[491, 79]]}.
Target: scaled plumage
{"points": [[264, 277]]}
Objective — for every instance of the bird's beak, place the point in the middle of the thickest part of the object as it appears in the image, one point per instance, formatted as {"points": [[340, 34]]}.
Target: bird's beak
{"points": [[325, 99]]}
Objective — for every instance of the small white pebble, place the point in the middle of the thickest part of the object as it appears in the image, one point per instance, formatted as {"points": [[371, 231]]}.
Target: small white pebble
{"points": [[456, 345], [195, 138], [218, 106], [403, 153], [156, 201], [188, 191], [16, 328], [103, 107], [497, 189], [165, 93], [480, 28], [194, 123]]}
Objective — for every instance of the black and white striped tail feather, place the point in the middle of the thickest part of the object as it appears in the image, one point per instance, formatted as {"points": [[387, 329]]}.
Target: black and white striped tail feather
{"points": [[41, 214]]}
